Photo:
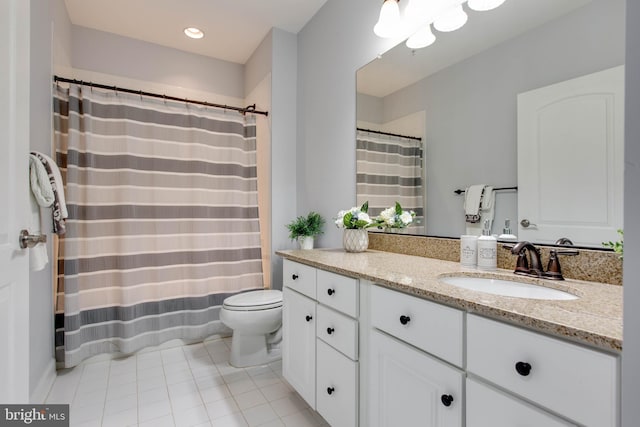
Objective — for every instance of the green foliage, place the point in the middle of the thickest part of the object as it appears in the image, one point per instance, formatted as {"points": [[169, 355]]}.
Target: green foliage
{"points": [[302, 226], [618, 247]]}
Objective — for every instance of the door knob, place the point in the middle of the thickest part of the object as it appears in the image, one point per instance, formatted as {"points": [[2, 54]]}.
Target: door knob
{"points": [[30, 240], [405, 319], [525, 223]]}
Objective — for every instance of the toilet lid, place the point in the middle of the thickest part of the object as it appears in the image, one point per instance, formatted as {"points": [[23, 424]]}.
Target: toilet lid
{"points": [[254, 300]]}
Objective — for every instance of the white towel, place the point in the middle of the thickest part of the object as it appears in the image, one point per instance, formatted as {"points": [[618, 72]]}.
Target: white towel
{"points": [[472, 202], [41, 195], [40, 184], [486, 212], [59, 185]]}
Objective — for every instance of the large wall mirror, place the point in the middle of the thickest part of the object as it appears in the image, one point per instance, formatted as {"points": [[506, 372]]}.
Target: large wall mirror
{"points": [[451, 112]]}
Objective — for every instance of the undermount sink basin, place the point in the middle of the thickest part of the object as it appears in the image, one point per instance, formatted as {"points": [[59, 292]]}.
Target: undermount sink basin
{"points": [[506, 288]]}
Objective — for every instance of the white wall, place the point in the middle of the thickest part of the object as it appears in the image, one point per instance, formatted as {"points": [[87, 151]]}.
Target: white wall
{"points": [[631, 274]]}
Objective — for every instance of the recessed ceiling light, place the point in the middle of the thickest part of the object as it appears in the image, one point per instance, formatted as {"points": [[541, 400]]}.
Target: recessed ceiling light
{"points": [[194, 33]]}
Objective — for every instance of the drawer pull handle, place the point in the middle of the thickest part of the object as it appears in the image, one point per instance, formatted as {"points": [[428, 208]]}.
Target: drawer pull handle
{"points": [[405, 319], [523, 368], [308, 318], [446, 399], [330, 331], [331, 291], [294, 276], [330, 390]]}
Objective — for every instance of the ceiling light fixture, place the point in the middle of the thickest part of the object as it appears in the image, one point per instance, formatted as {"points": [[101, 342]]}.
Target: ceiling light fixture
{"points": [[388, 24], [484, 5], [421, 38], [451, 20], [445, 15], [193, 32]]}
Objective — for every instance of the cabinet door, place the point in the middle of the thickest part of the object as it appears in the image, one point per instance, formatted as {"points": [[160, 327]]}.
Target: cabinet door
{"points": [[487, 406], [410, 388], [299, 344], [337, 393]]}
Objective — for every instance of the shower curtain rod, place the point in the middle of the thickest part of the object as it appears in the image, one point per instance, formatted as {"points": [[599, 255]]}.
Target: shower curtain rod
{"points": [[416, 138], [251, 109]]}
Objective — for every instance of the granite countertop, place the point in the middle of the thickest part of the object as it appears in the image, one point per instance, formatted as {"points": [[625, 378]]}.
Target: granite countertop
{"points": [[594, 319]]}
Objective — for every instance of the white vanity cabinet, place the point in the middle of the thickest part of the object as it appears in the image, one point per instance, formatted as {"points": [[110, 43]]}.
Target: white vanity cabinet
{"points": [[320, 341], [407, 385], [573, 381]]}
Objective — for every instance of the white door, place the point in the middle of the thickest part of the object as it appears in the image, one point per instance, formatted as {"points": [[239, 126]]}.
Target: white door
{"points": [[14, 196], [410, 388], [299, 344], [570, 160]]}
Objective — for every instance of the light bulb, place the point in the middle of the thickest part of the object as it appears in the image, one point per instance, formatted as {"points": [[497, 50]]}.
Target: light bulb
{"points": [[451, 19], [484, 5], [389, 20], [194, 33], [421, 38]]}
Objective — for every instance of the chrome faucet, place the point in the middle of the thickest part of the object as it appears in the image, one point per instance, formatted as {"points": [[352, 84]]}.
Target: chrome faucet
{"points": [[534, 268]]}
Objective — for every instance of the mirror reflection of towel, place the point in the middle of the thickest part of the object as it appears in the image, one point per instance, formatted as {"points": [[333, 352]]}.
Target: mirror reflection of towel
{"points": [[472, 202], [486, 211]]}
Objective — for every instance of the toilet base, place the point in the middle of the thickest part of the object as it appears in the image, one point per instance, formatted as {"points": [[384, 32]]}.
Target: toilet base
{"points": [[252, 350]]}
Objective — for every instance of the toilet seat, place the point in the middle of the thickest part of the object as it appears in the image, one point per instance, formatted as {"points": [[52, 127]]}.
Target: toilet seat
{"points": [[254, 300]]}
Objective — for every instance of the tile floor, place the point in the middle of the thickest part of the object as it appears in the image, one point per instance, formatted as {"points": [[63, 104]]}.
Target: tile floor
{"points": [[192, 385]]}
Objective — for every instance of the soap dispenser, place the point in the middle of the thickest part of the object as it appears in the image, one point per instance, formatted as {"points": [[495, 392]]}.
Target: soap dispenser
{"points": [[506, 232], [487, 249]]}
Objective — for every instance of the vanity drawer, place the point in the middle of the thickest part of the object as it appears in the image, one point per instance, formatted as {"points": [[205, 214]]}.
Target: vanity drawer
{"points": [[337, 387], [487, 406], [431, 327], [299, 277], [338, 292], [338, 330], [569, 379]]}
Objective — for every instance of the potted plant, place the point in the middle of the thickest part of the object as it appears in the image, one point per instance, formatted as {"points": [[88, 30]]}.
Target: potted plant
{"points": [[355, 222], [394, 218], [305, 228]]}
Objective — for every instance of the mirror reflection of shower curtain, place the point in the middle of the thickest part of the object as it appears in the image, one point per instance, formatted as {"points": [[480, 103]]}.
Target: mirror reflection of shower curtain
{"points": [[163, 219], [389, 169]]}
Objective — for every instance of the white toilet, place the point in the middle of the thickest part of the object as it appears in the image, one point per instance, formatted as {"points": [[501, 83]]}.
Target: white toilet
{"points": [[256, 320]]}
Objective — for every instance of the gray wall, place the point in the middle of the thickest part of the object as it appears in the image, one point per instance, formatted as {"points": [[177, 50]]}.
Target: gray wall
{"points": [[284, 115], [331, 47], [122, 56], [631, 275], [471, 106]]}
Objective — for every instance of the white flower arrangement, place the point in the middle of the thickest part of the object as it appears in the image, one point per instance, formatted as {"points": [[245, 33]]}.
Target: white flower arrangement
{"points": [[356, 217], [395, 217]]}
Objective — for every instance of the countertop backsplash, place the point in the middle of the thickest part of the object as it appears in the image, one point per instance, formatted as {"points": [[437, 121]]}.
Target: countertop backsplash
{"points": [[590, 265]]}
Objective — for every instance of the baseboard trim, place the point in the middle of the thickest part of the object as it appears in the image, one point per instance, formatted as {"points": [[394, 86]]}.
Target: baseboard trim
{"points": [[39, 395]]}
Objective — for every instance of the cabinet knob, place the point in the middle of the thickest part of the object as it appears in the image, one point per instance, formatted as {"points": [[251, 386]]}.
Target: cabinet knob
{"points": [[331, 291], [330, 331], [294, 276], [446, 399], [405, 319], [330, 390], [523, 368], [308, 318]]}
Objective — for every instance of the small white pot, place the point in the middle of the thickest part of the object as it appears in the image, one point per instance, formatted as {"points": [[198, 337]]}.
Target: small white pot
{"points": [[305, 242]]}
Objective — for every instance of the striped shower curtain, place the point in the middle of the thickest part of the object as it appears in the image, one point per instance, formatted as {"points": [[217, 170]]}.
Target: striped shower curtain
{"points": [[389, 169], [163, 220]]}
